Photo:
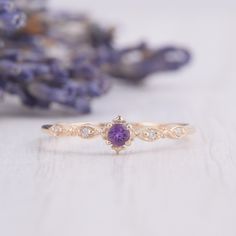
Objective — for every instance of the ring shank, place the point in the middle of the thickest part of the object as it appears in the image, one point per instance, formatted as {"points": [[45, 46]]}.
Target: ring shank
{"points": [[185, 128]]}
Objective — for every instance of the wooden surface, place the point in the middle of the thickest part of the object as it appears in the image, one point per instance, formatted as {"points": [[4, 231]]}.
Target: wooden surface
{"points": [[51, 187]]}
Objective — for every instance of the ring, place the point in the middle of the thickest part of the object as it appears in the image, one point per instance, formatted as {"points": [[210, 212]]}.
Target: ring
{"points": [[119, 134]]}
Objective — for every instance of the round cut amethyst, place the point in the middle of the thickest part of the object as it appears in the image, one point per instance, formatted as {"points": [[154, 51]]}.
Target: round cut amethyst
{"points": [[118, 135]]}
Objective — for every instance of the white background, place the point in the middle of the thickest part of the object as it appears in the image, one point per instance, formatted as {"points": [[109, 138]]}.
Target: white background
{"points": [[67, 187]]}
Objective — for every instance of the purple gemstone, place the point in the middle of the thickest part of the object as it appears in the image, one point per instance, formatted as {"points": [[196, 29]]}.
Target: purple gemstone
{"points": [[118, 135]]}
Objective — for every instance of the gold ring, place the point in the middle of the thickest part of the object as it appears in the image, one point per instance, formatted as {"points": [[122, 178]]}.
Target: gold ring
{"points": [[119, 134]]}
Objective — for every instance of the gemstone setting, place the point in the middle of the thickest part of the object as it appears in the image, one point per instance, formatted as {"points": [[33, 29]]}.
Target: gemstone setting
{"points": [[86, 132], [151, 134], [118, 135]]}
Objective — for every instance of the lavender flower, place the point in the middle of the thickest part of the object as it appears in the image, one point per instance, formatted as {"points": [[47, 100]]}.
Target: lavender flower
{"points": [[68, 59], [11, 18]]}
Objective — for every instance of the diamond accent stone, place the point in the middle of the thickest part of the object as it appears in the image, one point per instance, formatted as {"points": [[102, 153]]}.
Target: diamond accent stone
{"points": [[86, 132], [152, 134], [149, 134]]}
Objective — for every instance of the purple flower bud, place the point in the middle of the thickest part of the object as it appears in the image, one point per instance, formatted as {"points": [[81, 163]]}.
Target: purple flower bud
{"points": [[8, 68], [100, 36], [13, 88], [81, 105], [2, 83], [85, 71], [10, 54], [41, 70], [76, 89], [12, 21], [94, 89], [6, 6], [26, 75]]}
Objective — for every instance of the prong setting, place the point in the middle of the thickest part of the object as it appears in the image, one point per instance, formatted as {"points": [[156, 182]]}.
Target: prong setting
{"points": [[118, 134]]}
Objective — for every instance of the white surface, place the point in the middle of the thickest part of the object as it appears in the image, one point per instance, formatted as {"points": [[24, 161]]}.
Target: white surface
{"points": [[64, 188]]}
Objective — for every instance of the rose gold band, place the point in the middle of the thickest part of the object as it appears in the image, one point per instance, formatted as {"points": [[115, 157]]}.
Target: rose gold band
{"points": [[143, 130]]}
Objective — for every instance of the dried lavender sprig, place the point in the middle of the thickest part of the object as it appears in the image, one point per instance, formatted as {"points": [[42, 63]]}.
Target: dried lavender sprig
{"points": [[41, 84], [43, 67], [148, 62]]}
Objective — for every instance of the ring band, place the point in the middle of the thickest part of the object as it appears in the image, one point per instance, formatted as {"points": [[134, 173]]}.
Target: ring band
{"points": [[119, 134]]}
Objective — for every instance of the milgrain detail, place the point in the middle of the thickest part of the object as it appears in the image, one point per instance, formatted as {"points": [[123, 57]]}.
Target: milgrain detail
{"points": [[153, 133], [81, 130]]}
